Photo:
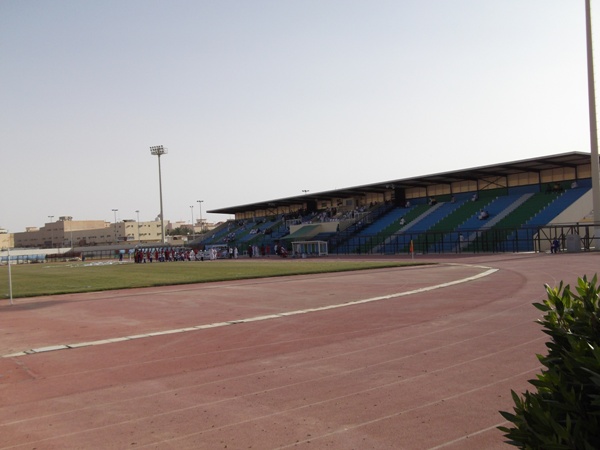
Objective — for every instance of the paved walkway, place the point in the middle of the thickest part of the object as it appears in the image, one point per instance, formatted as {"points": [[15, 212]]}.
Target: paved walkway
{"points": [[413, 358]]}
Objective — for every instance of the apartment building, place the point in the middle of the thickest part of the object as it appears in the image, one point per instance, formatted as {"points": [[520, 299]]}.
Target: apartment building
{"points": [[66, 232], [6, 239]]}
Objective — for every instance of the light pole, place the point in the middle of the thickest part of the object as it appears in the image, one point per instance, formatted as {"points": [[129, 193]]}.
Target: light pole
{"points": [[138, 225], [193, 233], [51, 232], [115, 211], [595, 164], [306, 191], [201, 223], [10, 293], [159, 150]]}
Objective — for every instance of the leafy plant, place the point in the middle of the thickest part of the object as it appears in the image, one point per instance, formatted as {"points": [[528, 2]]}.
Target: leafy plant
{"points": [[564, 412]]}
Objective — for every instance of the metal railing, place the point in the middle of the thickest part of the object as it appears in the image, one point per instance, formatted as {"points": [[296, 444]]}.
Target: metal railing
{"points": [[493, 240]]}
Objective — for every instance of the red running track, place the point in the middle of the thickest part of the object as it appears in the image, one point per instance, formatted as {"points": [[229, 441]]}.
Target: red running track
{"points": [[407, 358]]}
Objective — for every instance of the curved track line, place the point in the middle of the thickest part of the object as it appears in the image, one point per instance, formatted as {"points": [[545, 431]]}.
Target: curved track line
{"points": [[489, 271]]}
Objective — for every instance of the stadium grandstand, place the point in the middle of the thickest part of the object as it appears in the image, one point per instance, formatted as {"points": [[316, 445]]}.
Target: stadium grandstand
{"points": [[519, 206]]}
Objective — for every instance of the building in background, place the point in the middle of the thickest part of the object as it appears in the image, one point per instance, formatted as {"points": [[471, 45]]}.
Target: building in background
{"points": [[6, 239], [66, 232]]}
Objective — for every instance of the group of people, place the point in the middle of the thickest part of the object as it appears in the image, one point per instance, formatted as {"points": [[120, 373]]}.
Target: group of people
{"points": [[281, 251], [256, 251], [333, 214], [184, 254], [165, 255]]}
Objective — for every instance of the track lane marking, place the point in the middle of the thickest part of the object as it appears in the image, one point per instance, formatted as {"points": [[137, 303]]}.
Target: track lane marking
{"points": [[56, 347]]}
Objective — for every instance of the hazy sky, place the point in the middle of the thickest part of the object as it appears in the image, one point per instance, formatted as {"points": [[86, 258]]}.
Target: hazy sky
{"points": [[259, 100]]}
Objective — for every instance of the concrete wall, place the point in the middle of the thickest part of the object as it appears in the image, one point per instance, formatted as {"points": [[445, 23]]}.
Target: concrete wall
{"points": [[577, 212]]}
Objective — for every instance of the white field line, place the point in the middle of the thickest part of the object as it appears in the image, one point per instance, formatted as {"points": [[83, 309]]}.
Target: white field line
{"points": [[487, 272]]}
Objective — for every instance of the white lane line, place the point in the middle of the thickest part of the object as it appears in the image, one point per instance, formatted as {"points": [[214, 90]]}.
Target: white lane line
{"points": [[487, 272]]}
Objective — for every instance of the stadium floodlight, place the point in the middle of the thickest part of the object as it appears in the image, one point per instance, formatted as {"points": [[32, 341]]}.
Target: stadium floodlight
{"points": [[595, 165], [193, 233], [159, 150], [10, 292], [115, 224], [201, 223], [138, 224], [51, 232]]}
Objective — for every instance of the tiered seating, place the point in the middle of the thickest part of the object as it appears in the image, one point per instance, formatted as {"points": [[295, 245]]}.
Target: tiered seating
{"points": [[507, 212], [345, 240], [498, 208], [449, 226], [398, 238], [467, 213], [219, 236], [382, 228], [254, 231], [521, 239], [435, 215]]}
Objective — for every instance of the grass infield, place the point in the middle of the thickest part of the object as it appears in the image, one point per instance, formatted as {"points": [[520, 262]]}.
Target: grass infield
{"points": [[31, 280]]}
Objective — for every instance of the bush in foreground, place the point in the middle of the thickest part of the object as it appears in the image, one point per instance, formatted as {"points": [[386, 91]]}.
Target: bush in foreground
{"points": [[564, 412]]}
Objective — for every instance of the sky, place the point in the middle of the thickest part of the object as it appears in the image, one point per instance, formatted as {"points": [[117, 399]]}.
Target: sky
{"points": [[262, 99]]}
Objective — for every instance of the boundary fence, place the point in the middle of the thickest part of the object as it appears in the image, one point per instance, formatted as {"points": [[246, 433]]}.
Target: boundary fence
{"points": [[572, 237]]}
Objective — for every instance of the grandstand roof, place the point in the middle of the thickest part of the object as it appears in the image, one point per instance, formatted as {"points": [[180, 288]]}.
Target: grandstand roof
{"points": [[535, 165]]}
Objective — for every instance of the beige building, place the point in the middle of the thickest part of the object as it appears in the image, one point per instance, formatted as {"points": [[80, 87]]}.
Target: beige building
{"points": [[130, 230], [66, 232], [6, 239]]}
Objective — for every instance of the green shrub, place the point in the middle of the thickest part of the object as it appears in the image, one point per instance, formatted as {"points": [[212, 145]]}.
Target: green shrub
{"points": [[564, 413]]}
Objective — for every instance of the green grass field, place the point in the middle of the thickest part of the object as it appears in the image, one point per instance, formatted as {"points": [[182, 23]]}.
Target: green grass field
{"points": [[30, 280]]}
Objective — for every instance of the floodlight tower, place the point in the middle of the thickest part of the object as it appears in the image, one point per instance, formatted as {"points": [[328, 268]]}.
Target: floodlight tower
{"points": [[201, 223], [10, 291], [593, 127], [138, 225], [193, 232], [115, 224], [51, 232], [159, 150]]}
